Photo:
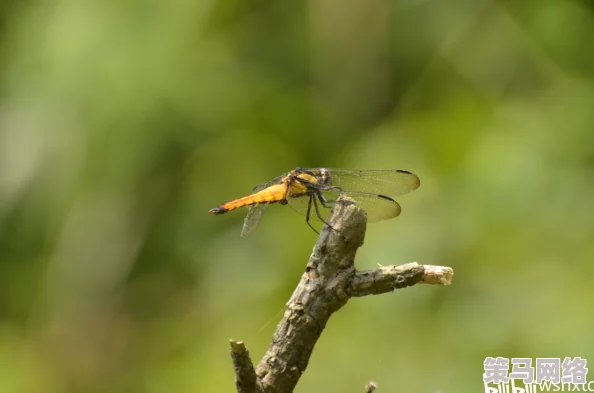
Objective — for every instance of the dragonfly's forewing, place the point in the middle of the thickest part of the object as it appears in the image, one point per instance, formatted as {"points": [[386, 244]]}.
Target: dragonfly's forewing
{"points": [[387, 182]]}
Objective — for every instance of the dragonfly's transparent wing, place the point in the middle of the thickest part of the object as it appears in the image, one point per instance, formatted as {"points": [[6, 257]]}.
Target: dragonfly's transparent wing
{"points": [[255, 212], [253, 217], [301, 204], [377, 207], [268, 183], [387, 182]]}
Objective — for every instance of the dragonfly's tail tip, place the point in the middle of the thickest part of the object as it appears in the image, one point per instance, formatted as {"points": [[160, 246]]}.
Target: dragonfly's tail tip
{"points": [[218, 210]]}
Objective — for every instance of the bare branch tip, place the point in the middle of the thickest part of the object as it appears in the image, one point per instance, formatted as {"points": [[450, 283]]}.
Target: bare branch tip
{"points": [[438, 275], [245, 374], [237, 347], [370, 387]]}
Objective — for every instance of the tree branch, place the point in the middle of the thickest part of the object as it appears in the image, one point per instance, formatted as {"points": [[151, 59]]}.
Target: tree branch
{"points": [[245, 375], [387, 278], [330, 279]]}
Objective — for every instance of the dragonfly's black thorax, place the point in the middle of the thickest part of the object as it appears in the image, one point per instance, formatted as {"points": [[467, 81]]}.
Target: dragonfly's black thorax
{"points": [[312, 179]]}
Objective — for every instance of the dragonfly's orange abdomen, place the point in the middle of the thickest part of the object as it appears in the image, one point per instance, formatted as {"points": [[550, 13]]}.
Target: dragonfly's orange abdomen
{"points": [[275, 193]]}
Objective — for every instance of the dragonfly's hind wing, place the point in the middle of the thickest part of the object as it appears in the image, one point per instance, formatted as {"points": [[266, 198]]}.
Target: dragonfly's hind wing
{"points": [[301, 204], [255, 212], [253, 217], [269, 183], [377, 207]]}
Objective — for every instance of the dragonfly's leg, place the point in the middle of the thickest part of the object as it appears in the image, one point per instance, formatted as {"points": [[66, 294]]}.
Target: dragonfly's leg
{"points": [[323, 199], [311, 197], [315, 202]]}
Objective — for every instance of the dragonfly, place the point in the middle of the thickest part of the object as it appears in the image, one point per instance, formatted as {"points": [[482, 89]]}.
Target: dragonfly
{"points": [[314, 191]]}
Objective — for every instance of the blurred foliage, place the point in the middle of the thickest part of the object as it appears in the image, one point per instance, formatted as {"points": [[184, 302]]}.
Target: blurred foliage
{"points": [[123, 123]]}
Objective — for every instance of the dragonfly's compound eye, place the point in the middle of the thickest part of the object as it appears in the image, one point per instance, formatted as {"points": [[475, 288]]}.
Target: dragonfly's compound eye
{"points": [[325, 176]]}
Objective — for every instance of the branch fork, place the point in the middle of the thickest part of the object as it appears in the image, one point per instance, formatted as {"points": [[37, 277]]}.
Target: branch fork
{"points": [[329, 281]]}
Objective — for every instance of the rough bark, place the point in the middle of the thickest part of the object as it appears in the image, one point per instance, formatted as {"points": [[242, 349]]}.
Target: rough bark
{"points": [[330, 279]]}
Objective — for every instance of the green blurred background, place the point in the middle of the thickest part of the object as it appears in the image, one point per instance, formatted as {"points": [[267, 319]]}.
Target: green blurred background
{"points": [[123, 122]]}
